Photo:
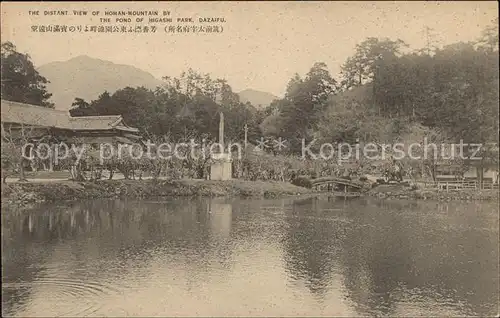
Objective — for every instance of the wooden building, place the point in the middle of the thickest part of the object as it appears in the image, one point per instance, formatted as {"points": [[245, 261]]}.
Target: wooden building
{"points": [[35, 123], [484, 170]]}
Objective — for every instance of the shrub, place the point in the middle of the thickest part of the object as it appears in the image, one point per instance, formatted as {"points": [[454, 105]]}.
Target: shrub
{"points": [[302, 181]]}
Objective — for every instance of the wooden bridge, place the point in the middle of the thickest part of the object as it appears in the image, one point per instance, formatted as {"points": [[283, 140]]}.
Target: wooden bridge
{"points": [[330, 183]]}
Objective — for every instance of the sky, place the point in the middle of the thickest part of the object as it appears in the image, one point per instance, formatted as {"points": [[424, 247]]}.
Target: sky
{"points": [[263, 44]]}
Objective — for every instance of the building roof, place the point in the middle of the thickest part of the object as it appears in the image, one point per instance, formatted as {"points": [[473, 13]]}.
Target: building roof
{"points": [[104, 140], [31, 115]]}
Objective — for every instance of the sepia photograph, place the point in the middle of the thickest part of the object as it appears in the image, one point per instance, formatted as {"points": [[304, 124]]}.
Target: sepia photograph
{"points": [[250, 159]]}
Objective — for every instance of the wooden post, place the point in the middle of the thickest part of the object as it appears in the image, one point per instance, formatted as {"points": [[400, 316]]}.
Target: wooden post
{"points": [[221, 131], [51, 161]]}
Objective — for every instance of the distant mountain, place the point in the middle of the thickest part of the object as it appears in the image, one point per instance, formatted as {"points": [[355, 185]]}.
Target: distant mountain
{"points": [[87, 78], [257, 98]]}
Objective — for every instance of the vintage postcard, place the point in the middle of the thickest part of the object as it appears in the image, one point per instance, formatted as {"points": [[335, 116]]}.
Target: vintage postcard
{"points": [[250, 158]]}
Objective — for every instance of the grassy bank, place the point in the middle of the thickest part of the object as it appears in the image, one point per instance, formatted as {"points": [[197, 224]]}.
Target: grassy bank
{"points": [[402, 192], [31, 192]]}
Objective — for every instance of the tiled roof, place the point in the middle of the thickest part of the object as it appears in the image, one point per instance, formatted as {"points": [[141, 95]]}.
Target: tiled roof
{"points": [[13, 112], [102, 140]]}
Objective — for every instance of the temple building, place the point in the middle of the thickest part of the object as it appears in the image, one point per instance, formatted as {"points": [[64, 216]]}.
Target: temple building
{"points": [[37, 122]]}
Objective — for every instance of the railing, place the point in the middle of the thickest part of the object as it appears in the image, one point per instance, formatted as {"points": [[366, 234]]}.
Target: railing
{"points": [[334, 180], [461, 185], [332, 186]]}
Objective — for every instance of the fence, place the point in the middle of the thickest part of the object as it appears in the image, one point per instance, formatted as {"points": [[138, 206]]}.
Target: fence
{"points": [[460, 185]]}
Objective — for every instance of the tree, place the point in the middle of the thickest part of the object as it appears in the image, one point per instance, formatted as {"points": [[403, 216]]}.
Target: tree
{"points": [[360, 68], [21, 82], [343, 121], [80, 102], [304, 103], [272, 125], [430, 41], [14, 147], [489, 37]]}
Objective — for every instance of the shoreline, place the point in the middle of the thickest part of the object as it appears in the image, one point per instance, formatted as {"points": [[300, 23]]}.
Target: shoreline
{"points": [[401, 192], [23, 194]]}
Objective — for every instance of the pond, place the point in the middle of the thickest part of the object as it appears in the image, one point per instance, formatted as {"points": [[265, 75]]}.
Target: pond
{"points": [[233, 257]]}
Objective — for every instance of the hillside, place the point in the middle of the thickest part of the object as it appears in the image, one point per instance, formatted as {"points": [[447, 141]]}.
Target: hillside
{"points": [[257, 98], [87, 78], [361, 93]]}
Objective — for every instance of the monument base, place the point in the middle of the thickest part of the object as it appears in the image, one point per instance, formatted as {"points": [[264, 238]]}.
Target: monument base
{"points": [[222, 168]]}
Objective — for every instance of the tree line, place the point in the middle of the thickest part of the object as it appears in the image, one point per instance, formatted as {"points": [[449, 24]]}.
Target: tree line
{"points": [[182, 108], [384, 92]]}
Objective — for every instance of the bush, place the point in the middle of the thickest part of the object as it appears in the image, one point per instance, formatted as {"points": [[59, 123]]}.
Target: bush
{"points": [[302, 181]]}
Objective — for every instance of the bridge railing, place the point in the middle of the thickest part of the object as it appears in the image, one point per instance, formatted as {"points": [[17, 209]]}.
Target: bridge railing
{"points": [[330, 184]]}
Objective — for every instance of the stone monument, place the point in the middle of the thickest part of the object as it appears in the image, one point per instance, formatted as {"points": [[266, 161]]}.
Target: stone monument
{"points": [[221, 168]]}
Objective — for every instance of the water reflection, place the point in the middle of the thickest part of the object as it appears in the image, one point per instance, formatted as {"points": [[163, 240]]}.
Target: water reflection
{"points": [[310, 245], [314, 256]]}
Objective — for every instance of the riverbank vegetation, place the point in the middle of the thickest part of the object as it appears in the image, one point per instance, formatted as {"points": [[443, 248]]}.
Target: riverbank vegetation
{"points": [[24, 194], [19, 194], [401, 192]]}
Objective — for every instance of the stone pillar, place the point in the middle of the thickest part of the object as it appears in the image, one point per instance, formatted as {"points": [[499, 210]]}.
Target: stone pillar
{"points": [[221, 169]]}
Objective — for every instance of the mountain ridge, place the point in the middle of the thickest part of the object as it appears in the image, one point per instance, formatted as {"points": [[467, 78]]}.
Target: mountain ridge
{"points": [[259, 99], [87, 77]]}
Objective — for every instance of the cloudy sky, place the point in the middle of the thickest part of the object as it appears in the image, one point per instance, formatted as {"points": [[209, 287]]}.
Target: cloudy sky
{"points": [[263, 43]]}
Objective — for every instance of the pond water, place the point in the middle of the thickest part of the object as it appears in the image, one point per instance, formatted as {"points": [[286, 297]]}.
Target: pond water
{"points": [[232, 257]]}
